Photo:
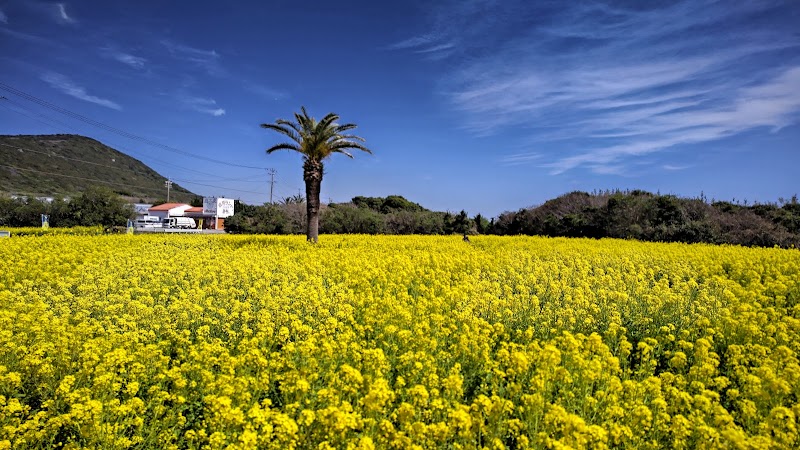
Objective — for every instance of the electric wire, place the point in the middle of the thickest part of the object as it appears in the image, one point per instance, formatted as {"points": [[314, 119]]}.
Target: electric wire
{"points": [[114, 167], [128, 185], [120, 132], [81, 132], [116, 130]]}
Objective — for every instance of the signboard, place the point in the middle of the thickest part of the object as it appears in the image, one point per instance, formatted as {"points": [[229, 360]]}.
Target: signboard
{"points": [[45, 221], [142, 208], [218, 206]]}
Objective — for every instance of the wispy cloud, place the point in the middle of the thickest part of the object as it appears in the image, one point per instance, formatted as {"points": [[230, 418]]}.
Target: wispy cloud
{"points": [[209, 60], [28, 37], [426, 43], [137, 62], [203, 105], [673, 167], [266, 92], [606, 84], [521, 158], [3, 17], [61, 10], [67, 86]]}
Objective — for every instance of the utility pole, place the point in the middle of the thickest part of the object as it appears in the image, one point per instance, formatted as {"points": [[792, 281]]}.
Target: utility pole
{"points": [[271, 173], [168, 184]]}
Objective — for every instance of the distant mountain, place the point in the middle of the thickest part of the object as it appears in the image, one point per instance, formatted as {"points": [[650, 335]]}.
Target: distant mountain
{"points": [[64, 165]]}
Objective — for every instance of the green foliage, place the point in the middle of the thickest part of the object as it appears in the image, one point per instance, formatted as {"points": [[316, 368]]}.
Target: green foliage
{"points": [[97, 206], [482, 225], [364, 215], [373, 203], [386, 205], [651, 217], [459, 224], [100, 206], [267, 219], [346, 218], [626, 215]]}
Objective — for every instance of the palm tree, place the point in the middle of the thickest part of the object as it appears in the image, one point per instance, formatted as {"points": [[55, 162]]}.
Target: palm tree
{"points": [[315, 141]]}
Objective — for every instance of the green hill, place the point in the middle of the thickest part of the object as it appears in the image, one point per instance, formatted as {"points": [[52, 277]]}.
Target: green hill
{"points": [[64, 165]]}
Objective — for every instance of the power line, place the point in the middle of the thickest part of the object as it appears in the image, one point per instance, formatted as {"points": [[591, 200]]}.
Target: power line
{"points": [[52, 154], [115, 130], [77, 178], [49, 119], [116, 145], [3, 104], [218, 187], [114, 167]]}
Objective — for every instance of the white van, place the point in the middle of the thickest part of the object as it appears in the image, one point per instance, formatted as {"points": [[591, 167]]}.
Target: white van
{"points": [[148, 222], [179, 222]]}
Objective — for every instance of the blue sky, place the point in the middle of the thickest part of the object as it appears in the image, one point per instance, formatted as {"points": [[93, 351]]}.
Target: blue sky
{"points": [[478, 105]]}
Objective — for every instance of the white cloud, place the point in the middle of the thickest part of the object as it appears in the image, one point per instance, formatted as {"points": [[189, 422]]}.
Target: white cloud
{"points": [[65, 85], [203, 105], [207, 59], [773, 104], [429, 45], [610, 83], [521, 158], [414, 42], [673, 167], [3, 17], [61, 9], [266, 92], [136, 62]]}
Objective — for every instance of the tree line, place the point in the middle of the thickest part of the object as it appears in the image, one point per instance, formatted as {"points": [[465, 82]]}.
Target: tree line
{"points": [[615, 214], [653, 217], [95, 206], [362, 215]]}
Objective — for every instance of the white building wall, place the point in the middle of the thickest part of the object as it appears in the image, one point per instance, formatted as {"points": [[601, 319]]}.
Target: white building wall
{"points": [[160, 214], [177, 211]]}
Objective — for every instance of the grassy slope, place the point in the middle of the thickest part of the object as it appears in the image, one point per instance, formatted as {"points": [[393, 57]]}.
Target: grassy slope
{"points": [[71, 162]]}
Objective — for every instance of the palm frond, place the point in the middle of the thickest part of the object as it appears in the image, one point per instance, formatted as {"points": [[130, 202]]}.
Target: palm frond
{"points": [[284, 146], [283, 130], [317, 140], [327, 122], [342, 128], [289, 124], [348, 154], [339, 145], [352, 137]]}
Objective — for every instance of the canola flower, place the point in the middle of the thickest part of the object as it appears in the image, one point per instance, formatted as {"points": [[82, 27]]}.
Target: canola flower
{"points": [[364, 342]]}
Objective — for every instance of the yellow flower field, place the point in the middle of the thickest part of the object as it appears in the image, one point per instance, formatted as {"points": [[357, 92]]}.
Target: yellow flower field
{"points": [[239, 342]]}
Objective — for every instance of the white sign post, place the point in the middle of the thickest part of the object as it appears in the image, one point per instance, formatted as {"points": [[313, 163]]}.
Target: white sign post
{"points": [[220, 207]]}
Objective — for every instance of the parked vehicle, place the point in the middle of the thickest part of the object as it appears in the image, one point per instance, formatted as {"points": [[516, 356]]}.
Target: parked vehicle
{"points": [[179, 222], [148, 222]]}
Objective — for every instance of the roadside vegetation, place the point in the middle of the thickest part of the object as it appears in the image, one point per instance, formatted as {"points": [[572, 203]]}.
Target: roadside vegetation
{"points": [[625, 215]]}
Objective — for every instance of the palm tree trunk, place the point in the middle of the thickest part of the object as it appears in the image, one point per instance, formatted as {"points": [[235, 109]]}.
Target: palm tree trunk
{"points": [[312, 175]]}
